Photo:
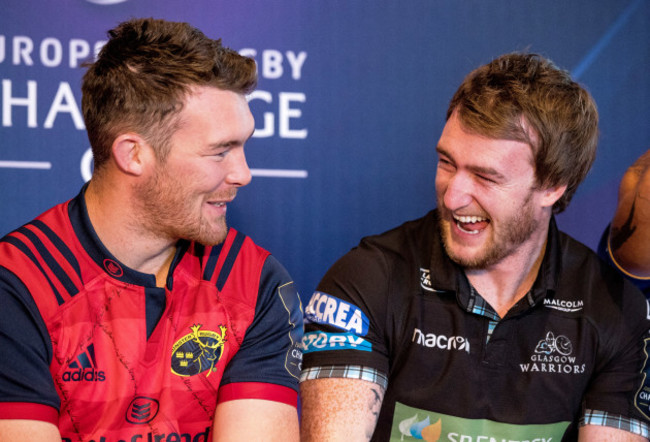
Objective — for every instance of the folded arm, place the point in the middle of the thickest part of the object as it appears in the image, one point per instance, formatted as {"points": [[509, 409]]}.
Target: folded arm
{"points": [[629, 240], [338, 409], [255, 419], [25, 430], [597, 433]]}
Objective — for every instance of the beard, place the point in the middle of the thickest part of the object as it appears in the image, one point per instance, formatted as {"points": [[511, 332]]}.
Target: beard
{"points": [[506, 237], [169, 210]]}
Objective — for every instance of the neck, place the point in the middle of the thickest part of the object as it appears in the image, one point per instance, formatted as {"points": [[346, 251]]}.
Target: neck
{"points": [[505, 283], [114, 220]]}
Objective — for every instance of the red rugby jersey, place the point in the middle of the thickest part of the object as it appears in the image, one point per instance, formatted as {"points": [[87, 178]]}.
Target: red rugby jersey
{"points": [[230, 328]]}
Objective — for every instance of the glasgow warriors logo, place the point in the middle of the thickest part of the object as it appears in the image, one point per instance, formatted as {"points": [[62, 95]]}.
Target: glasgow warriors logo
{"points": [[198, 352]]}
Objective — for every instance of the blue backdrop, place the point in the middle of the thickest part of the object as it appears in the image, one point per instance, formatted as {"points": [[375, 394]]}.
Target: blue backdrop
{"points": [[351, 101]]}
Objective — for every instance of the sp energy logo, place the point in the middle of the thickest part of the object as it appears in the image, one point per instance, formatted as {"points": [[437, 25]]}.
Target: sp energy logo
{"points": [[198, 351], [413, 424], [84, 368]]}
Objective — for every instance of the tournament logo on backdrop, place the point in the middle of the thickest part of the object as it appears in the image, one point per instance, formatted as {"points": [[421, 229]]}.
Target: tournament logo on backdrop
{"points": [[198, 351]]}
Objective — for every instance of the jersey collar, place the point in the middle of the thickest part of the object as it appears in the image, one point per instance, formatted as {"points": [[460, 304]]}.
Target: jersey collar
{"points": [[112, 266]]}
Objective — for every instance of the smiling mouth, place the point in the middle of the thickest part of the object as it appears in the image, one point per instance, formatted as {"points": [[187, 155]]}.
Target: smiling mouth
{"points": [[472, 225]]}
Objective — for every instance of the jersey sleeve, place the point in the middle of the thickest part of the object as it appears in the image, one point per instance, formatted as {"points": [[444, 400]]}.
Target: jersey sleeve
{"points": [[346, 319], [621, 382], [27, 390], [268, 363]]}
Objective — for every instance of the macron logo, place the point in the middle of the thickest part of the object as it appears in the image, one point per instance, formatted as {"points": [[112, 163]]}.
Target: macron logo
{"points": [[440, 341]]}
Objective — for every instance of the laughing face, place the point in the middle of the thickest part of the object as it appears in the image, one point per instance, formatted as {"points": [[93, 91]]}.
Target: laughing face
{"points": [[186, 195], [490, 208]]}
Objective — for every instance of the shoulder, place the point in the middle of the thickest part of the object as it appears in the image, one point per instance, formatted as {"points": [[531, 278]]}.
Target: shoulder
{"points": [[608, 297], [379, 276], [399, 248], [237, 254], [405, 236], [41, 255]]}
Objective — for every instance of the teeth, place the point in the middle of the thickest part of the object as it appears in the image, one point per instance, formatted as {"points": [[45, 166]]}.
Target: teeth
{"points": [[471, 232], [469, 219]]}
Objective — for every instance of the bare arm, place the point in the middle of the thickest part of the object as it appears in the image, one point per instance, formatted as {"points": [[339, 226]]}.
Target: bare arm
{"points": [[255, 419], [596, 433], [630, 231], [339, 409], [24, 430]]}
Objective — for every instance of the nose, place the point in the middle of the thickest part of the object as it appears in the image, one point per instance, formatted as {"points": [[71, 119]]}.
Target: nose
{"points": [[238, 173], [454, 190]]}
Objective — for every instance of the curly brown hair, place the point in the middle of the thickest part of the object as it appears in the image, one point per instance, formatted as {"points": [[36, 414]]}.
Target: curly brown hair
{"points": [[527, 98], [142, 76]]}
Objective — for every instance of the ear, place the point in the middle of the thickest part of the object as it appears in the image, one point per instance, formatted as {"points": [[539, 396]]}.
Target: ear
{"points": [[131, 153], [551, 194]]}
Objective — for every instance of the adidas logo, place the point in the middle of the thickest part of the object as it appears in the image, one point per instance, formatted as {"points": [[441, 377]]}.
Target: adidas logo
{"points": [[84, 368]]}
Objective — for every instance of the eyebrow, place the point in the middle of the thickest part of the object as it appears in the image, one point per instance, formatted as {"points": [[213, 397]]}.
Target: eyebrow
{"points": [[230, 143], [479, 170]]}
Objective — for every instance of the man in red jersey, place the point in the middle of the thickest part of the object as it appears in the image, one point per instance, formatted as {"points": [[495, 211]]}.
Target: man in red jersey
{"points": [[132, 312]]}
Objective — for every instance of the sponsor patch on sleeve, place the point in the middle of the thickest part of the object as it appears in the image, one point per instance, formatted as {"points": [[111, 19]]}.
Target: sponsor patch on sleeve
{"points": [[328, 309], [642, 398], [291, 301], [321, 341]]}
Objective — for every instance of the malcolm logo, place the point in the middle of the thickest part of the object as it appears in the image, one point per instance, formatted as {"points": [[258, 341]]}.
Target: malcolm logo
{"points": [[84, 368], [553, 355], [198, 352], [563, 305]]}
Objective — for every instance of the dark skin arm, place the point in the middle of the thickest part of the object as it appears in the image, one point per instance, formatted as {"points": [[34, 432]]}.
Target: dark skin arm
{"points": [[629, 239]]}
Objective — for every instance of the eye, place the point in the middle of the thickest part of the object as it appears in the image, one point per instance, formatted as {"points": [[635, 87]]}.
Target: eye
{"points": [[219, 154], [486, 179], [445, 164]]}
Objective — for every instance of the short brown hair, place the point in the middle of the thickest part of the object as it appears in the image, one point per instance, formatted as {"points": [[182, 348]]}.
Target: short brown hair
{"points": [[519, 93], [142, 75]]}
